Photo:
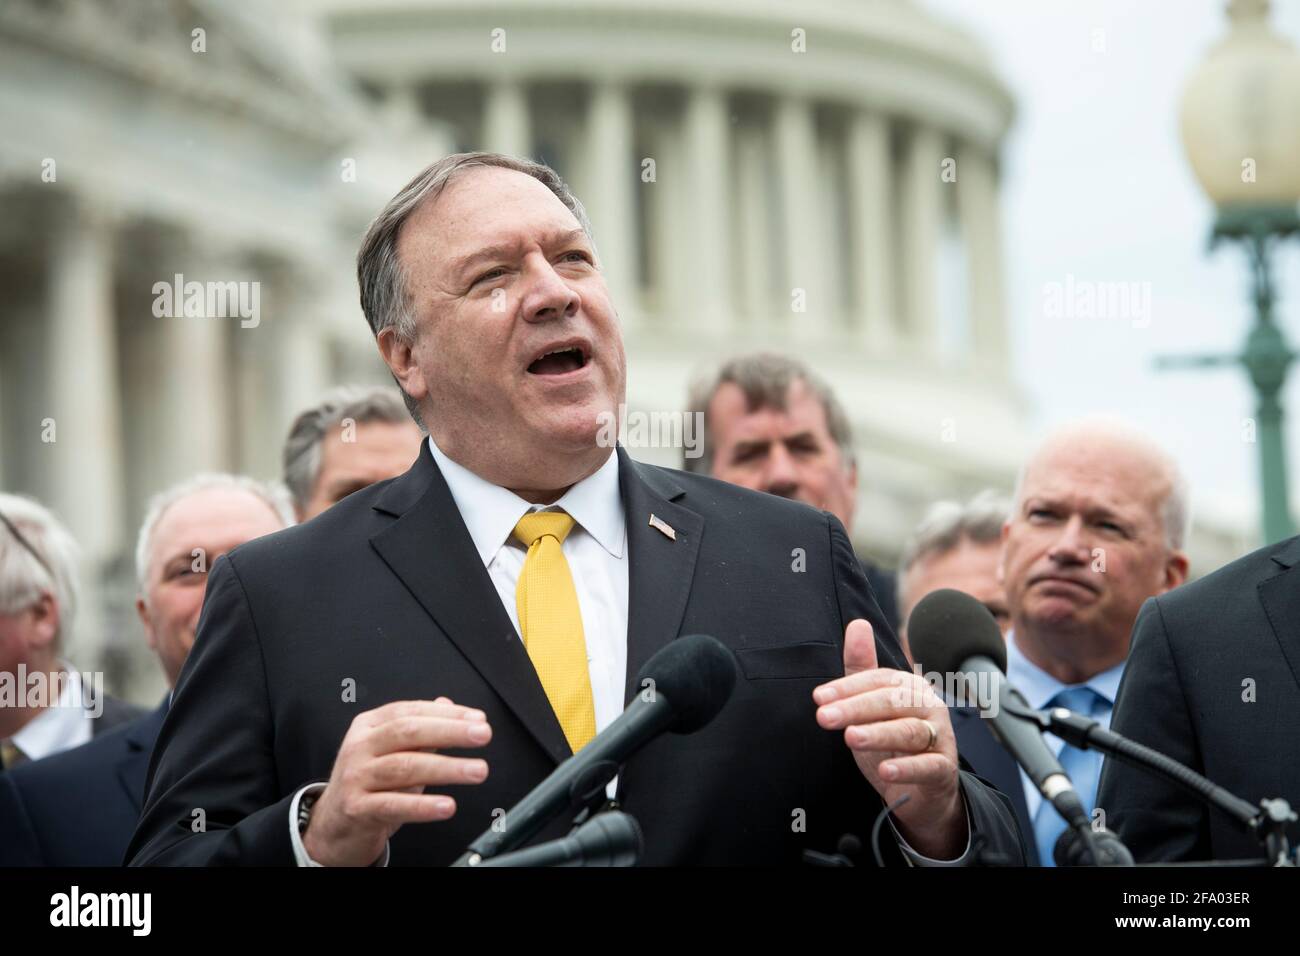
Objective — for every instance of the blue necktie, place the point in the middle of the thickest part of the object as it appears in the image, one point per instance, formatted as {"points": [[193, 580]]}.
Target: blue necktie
{"points": [[1082, 766]]}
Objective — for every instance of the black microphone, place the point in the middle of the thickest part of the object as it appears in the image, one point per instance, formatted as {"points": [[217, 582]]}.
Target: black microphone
{"points": [[682, 688], [607, 839], [954, 635]]}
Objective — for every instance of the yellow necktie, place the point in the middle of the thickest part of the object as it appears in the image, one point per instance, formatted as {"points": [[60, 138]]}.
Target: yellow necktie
{"points": [[551, 623], [10, 755]]}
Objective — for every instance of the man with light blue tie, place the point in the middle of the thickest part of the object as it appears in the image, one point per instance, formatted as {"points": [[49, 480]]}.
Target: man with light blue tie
{"points": [[1098, 525]]}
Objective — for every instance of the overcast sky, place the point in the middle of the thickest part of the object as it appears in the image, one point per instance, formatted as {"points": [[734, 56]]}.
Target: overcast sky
{"points": [[1096, 186]]}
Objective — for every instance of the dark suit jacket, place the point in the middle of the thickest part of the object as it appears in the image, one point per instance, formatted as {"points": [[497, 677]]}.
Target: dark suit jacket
{"points": [[990, 760], [386, 590], [116, 712], [884, 587], [112, 715], [78, 807], [1184, 693]]}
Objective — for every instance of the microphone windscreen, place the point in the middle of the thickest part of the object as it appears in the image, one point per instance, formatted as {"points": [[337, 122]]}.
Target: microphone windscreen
{"points": [[696, 675], [948, 626]]}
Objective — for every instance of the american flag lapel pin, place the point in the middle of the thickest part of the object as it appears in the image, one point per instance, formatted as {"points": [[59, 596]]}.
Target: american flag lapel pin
{"points": [[663, 527]]}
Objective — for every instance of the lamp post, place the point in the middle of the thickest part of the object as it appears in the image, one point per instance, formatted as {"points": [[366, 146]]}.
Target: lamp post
{"points": [[1241, 131]]}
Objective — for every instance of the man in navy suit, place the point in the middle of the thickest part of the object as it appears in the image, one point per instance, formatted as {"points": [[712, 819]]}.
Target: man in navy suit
{"points": [[1213, 681], [45, 703], [959, 546], [1098, 526], [80, 807]]}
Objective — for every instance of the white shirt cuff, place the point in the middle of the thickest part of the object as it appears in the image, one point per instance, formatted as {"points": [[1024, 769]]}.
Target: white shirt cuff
{"points": [[300, 856], [917, 859]]}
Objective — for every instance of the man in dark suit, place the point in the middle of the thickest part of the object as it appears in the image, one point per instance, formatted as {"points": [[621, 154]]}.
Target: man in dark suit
{"points": [[46, 705], [379, 684], [80, 807], [960, 546], [1213, 681], [771, 424], [1098, 526]]}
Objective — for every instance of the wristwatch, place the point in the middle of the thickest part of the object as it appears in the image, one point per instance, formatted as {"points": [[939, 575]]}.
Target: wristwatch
{"points": [[305, 804]]}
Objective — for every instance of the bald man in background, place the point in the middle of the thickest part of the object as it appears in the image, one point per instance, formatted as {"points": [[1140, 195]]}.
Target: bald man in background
{"points": [[1099, 523]]}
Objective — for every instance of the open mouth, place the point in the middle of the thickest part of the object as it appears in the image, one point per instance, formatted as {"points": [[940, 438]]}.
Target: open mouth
{"points": [[559, 361]]}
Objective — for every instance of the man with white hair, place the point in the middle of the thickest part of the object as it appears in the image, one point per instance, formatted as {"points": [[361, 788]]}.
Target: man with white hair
{"points": [[45, 704], [353, 437], [42, 805], [955, 546], [1098, 526]]}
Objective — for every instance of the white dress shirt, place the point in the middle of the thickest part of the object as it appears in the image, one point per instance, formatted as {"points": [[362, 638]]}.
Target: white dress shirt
{"points": [[596, 550], [65, 725]]}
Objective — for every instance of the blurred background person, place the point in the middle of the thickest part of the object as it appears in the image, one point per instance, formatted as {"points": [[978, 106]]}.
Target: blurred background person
{"points": [[1099, 523], [772, 425], [45, 806], [38, 608], [355, 436], [956, 546]]}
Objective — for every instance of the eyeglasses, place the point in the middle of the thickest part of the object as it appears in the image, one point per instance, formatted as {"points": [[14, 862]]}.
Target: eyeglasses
{"points": [[13, 528]]}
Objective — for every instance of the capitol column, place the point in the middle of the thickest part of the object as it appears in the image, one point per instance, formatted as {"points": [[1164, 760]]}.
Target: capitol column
{"points": [[922, 212], [977, 205], [194, 419], [611, 200], [303, 338], [755, 232], [872, 224], [86, 483], [797, 179], [706, 228], [506, 124]]}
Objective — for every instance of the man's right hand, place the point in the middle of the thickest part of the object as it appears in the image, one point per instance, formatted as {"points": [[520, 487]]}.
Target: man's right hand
{"points": [[384, 763]]}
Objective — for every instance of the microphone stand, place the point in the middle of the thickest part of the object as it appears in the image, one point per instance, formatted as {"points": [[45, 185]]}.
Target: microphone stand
{"points": [[605, 839], [1267, 822], [586, 795]]}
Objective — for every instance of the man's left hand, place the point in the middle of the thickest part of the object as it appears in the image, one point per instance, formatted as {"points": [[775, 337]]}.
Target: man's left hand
{"points": [[887, 716]]}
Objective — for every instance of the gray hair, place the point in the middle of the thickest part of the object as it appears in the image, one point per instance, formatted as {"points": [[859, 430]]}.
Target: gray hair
{"points": [[946, 524], [360, 404], [272, 493], [1175, 510], [765, 378], [52, 569], [385, 297]]}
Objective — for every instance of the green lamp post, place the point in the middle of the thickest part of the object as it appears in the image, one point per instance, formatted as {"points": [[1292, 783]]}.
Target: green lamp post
{"points": [[1241, 131]]}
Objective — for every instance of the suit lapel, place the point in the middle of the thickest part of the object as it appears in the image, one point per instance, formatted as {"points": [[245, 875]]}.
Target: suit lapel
{"points": [[1280, 596], [990, 760], [429, 548], [134, 765], [660, 567]]}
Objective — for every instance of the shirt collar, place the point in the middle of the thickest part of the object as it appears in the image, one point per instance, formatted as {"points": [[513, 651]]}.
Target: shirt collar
{"points": [[51, 730], [1039, 687], [490, 512]]}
